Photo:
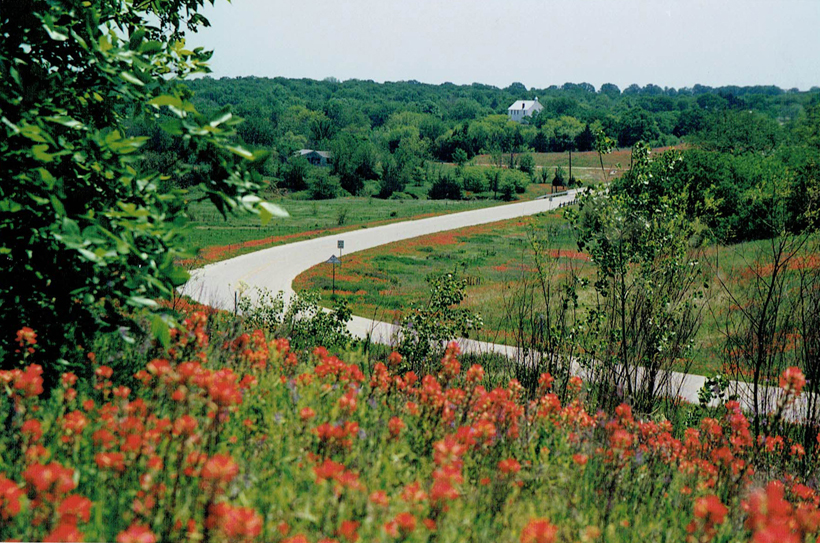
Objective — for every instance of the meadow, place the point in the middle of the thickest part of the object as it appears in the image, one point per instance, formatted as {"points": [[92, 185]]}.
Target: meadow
{"points": [[230, 435], [211, 237], [496, 261]]}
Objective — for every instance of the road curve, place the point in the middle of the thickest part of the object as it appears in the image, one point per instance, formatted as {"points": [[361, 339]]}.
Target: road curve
{"points": [[276, 268]]}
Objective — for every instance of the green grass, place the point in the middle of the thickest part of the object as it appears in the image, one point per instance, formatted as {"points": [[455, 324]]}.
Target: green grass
{"points": [[385, 281], [212, 237]]}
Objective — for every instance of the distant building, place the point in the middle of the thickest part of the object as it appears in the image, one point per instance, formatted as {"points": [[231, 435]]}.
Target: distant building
{"points": [[317, 158], [523, 108]]}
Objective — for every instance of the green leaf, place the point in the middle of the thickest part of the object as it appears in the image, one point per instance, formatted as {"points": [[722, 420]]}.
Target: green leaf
{"points": [[141, 301], [161, 330], [131, 78], [39, 152], [54, 34], [172, 126], [239, 150], [268, 210], [166, 100], [178, 276], [58, 205], [221, 119]]}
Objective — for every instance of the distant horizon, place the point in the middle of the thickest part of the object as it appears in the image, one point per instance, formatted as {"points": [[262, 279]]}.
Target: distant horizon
{"points": [[669, 43], [813, 88]]}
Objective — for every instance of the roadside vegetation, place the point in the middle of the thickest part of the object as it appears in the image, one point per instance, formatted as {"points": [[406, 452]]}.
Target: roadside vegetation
{"points": [[131, 414]]}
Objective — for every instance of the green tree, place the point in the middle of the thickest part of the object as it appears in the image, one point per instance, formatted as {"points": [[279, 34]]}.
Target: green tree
{"points": [[460, 157], [526, 163], [86, 235], [427, 328], [645, 310]]}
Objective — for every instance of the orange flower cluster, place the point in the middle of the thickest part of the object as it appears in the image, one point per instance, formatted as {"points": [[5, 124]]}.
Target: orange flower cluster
{"points": [[176, 457]]}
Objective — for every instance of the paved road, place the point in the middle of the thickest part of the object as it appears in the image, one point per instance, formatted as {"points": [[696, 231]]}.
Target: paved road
{"points": [[276, 268]]}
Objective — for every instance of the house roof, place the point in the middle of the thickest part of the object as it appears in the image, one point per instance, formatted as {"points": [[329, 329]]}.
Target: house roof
{"points": [[303, 152], [524, 104]]}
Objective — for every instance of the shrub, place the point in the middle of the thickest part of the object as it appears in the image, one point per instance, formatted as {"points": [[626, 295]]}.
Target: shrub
{"points": [[323, 186], [445, 188], [303, 320], [474, 180], [427, 328], [526, 163], [519, 180]]}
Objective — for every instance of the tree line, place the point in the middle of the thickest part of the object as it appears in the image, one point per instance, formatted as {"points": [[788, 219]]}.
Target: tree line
{"points": [[382, 135]]}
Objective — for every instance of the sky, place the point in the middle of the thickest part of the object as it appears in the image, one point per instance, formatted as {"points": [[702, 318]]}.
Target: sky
{"points": [[537, 43]]}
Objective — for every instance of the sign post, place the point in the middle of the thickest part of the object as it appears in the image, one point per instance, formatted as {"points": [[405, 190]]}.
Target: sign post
{"points": [[341, 245], [333, 260]]}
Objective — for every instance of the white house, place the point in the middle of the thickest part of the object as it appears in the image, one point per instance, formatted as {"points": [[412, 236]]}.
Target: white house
{"points": [[523, 108]]}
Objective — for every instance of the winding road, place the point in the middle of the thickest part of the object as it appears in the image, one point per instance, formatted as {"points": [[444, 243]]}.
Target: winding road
{"points": [[276, 268]]}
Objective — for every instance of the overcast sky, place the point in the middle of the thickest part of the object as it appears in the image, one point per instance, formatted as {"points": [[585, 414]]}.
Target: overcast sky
{"points": [[538, 43]]}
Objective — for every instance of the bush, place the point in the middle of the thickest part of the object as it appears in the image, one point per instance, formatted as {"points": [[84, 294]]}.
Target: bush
{"points": [[506, 191], [526, 163], [560, 178], [445, 188], [403, 196], [295, 174], [519, 180], [304, 321], [427, 328], [394, 179], [474, 180], [323, 186]]}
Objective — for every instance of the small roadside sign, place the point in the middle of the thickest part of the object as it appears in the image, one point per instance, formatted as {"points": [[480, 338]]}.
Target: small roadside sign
{"points": [[340, 244], [333, 260]]}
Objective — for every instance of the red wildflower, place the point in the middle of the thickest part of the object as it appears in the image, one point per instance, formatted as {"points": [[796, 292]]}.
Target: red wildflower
{"points": [[68, 379], [395, 426], [10, 494], [539, 531], [792, 381], [347, 530], [74, 508], [65, 532], [26, 336], [580, 459], [328, 470], [110, 460], [402, 525], [30, 382], [545, 382], [137, 533], [475, 374], [235, 523], [394, 360], [509, 466], [379, 497], [220, 468], [74, 423], [307, 413], [32, 429], [185, 426], [52, 477]]}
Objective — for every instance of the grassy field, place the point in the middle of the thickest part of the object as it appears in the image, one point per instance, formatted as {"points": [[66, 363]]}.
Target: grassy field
{"points": [[586, 166], [212, 238], [493, 258]]}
